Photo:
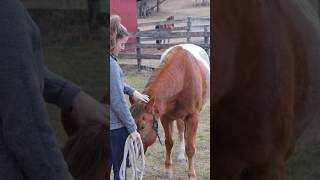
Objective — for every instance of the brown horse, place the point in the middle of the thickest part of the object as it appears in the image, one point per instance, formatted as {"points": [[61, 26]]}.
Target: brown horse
{"points": [[165, 27], [266, 85], [87, 149], [177, 90]]}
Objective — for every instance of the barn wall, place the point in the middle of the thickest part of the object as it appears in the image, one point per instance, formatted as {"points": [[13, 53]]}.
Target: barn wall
{"points": [[127, 10]]}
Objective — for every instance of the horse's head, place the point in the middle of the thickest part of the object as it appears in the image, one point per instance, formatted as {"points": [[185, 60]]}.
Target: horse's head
{"points": [[88, 139], [146, 121], [170, 18]]}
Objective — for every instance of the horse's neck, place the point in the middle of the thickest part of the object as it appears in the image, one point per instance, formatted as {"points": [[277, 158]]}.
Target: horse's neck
{"points": [[165, 84]]}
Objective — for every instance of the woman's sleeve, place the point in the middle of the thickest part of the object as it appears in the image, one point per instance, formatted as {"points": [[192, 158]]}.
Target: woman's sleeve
{"points": [[128, 89], [117, 99], [58, 90]]}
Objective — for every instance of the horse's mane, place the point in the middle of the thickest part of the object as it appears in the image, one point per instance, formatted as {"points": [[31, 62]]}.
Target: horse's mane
{"points": [[136, 109], [86, 149], [161, 67]]}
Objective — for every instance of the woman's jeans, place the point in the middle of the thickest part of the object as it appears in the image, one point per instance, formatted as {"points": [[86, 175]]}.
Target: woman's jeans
{"points": [[118, 139]]}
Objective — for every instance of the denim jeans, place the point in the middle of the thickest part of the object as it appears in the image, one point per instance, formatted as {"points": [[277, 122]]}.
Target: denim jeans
{"points": [[118, 139]]}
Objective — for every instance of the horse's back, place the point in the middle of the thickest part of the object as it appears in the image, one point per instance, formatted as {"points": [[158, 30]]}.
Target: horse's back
{"points": [[199, 53], [195, 53]]}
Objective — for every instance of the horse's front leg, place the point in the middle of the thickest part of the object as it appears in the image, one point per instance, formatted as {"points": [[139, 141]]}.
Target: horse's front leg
{"points": [[167, 126], [181, 129], [190, 138]]}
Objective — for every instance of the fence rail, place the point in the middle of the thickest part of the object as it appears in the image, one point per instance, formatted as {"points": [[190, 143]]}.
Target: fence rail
{"points": [[162, 46], [187, 29]]}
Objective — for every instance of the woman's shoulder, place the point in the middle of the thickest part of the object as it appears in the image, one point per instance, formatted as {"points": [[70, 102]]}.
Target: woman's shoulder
{"points": [[114, 65], [111, 58], [113, 61]]}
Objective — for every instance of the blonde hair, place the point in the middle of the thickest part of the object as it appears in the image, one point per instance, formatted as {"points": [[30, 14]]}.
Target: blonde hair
{"points": [[117, 30]]}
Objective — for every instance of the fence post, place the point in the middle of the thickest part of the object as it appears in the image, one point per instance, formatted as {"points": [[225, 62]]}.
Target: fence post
{"points": [[158, 5], [140, 8], [138, 51], [188, 29], [206, 38]]}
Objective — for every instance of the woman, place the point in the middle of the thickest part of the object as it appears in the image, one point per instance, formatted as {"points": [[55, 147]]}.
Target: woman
{"points": [[122, 123]]}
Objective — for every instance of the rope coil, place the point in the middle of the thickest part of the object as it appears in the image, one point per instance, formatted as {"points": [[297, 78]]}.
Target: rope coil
{"points": [[133, 148]]}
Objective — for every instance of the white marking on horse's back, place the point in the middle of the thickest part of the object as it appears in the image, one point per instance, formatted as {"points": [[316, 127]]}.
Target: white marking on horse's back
{"points": [[199, 53], [165, 53]]}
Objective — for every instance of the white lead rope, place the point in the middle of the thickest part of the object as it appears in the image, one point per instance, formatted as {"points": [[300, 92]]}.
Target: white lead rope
{"points": [[133, 148]]}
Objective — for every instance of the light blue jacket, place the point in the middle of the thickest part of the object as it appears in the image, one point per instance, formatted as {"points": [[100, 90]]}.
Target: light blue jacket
{"points": [[120, 115]]}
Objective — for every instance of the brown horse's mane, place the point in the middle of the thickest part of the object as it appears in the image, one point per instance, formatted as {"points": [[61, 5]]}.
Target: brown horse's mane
{"points": [[136, 109], [266, 83], [156, 74], [87, 148], [87, 145]]}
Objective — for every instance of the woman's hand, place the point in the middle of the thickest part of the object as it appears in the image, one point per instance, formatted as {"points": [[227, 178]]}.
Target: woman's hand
{"points": [[138, 96], [85, 108], [134, 135]]}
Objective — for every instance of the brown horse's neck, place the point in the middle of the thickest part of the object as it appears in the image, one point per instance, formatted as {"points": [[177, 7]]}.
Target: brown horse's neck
{"points": [[166, 82]]}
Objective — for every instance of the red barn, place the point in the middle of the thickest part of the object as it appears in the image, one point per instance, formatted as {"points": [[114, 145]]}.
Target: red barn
{"points": [[127, 10]]}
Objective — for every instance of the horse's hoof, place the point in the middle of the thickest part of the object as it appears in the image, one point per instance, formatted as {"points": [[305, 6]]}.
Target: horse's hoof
{"points": [[181, 159], [192, 176]]}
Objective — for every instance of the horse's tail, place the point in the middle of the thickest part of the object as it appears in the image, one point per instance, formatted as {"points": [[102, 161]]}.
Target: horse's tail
{"points": [[86, 149]]}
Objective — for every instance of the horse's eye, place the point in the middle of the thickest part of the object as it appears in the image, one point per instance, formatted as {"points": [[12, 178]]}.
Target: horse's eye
{"points": [[142, 127]]}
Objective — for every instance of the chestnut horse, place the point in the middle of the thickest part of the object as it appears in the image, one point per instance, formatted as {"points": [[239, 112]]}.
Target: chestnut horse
{"points": [[164, 27], [266, 85], [177, 89], [87, 149]]}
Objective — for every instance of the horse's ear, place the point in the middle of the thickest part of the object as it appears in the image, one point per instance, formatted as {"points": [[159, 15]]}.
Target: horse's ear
{"points": [[131, 99]]}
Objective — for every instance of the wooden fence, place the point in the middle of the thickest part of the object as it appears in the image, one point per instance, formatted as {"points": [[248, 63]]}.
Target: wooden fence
{"points": [[187, 30]]}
